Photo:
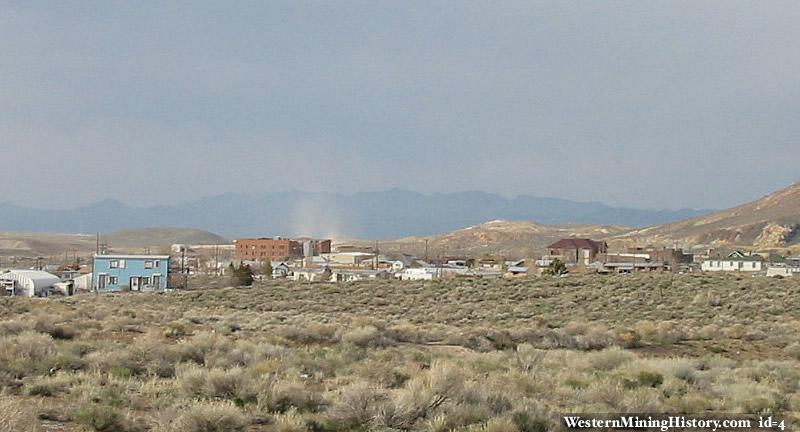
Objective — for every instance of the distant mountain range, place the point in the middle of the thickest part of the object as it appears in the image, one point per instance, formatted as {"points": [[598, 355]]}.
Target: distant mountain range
{"points": [[415, 220], [370, 215]]}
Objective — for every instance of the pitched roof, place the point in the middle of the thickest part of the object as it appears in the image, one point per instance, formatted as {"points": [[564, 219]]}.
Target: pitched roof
{"points": [[741, 256], [575, 243]]}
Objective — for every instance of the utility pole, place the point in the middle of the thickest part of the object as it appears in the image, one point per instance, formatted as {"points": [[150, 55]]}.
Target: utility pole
{"points": [[97, 247], [183, 268], [216, 259], [375, 259], [426, 250]]}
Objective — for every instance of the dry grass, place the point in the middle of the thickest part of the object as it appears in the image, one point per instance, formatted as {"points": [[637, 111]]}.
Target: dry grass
{"points": [[442, 356]]}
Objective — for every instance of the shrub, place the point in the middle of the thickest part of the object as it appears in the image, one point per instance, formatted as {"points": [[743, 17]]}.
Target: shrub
{"points": [[55, 331], [759, 399], [629, 339], [49, 386], [367, 336], [556, 268], [355, 406], [422, 397], [102, 418], [16, 416], [175, 330], [282, 396], [12, 327], [498, 403], [290, 421], [649, 379], [199, 348], [26, 353], [69, 362], [231, 384], [527, 421], [608, 359], [495, 425], [210, 417], [793, 350], [410, 333], [312, 333]]}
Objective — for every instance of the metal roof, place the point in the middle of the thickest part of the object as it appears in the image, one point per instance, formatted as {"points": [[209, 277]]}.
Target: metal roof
{"points": [[39, 279]]}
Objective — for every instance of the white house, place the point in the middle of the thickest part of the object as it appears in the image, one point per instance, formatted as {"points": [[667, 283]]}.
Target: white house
{"points": [[398, 266], [28, 283], [280, 270], [424, 273], [734, 262], [312, 274], [83, 282], [783, 271]]}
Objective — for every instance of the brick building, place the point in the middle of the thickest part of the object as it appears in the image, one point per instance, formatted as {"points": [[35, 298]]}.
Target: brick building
{"points": [[577, 250], [279, 248]]}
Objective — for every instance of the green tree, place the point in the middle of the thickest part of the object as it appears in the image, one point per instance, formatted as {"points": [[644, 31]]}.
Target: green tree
{"points": [[266, 269], [241, 276], [245, 275], [556, 268]]}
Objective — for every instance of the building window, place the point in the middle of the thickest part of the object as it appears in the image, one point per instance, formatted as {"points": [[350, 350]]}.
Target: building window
{"points": [[113, 280], [113, 264], [148, 264], [145, 280], [158, 263]]}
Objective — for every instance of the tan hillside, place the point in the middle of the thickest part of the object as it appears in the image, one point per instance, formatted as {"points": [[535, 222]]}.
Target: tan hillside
{"points": [[499, 237], [160, 237], [770, 222], [31, 245], [135, 240]]}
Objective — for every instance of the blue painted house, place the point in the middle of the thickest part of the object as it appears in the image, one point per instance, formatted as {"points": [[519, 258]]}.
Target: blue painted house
{"points": [[130, 272]]}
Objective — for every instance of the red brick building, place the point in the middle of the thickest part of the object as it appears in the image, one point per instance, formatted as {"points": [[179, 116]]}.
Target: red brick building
{"points": [[577, 250], [278, 248], [267, 249]]}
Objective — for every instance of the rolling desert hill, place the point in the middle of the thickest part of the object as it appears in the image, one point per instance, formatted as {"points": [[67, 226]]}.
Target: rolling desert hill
{"points": [[513, 239], [161, 237], [47, 244], [31, 245], [772, 222]]}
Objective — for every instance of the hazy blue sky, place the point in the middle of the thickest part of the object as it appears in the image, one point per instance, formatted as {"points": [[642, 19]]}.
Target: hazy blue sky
{"points": [[647, 104]]}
